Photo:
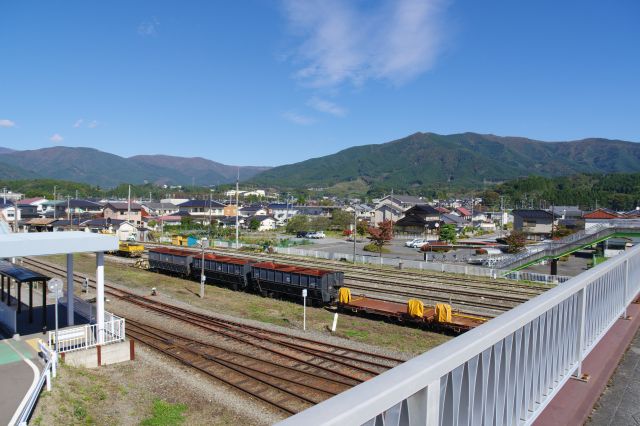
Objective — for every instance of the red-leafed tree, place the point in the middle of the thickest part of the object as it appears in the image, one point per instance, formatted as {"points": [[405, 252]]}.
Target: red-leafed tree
{"points": [[381, 234]]}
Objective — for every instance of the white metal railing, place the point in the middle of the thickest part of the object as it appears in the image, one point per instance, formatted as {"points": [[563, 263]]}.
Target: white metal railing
{"points": [[45, 377], [87, 336], [80, 307], [503, 372]]}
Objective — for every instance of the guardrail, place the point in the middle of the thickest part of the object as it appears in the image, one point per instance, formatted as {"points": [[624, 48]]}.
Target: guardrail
{"points": [[503, 372], [86, 336], [45, 377]]}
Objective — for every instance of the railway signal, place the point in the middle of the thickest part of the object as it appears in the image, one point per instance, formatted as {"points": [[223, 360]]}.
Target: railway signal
{"points": [[304, 309]]}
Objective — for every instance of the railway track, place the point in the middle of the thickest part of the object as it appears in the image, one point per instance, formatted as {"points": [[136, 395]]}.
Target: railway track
{"points": [[287, 372], [479, 297]]}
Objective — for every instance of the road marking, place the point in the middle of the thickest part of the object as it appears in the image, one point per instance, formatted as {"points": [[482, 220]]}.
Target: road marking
{"points": [[36, 374]]}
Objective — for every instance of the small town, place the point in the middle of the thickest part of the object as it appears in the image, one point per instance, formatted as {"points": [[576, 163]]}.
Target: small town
{"points": [[320, 213]]}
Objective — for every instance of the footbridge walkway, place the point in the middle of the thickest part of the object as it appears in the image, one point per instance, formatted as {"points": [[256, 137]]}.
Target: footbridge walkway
{"points": [[574, 242], [504, 372]]}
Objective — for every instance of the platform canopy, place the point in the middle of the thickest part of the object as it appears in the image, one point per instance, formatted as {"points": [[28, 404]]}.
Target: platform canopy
{"points": [[20, 273], [45, 243]]}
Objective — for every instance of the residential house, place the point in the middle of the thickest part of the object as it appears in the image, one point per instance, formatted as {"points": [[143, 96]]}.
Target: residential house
{"points": [[230, 221], [252, 210], [83, 208], [537, 224], [202, 210], [599, 216], [266, 223], [419, 219], [570, 217], [54, 208], [363, 211], [463, 213], [392, 207], [9, 214], [123, 211], [282, 212], [27, 204], [160, 209]]}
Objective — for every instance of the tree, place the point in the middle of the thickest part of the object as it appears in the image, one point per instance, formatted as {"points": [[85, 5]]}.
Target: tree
{"points": [[186, 221], [362, 227], [254, 224], [319, 223], [298, 223], [341, 219], [448, 233], [381, 234], [516, 241]]}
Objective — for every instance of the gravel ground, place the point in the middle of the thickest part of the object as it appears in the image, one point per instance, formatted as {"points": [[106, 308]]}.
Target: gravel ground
{"points": [[123, 394]]}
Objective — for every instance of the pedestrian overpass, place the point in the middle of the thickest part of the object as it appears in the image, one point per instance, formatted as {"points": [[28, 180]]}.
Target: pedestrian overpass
{"points": [[504, 372], [572, 243]]}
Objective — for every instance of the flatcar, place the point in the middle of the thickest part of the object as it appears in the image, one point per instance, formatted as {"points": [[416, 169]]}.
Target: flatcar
{"points": [[265, 278]]}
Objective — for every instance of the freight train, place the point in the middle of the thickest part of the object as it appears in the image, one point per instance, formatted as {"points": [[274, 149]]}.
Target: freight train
{"points": [[265, 278]]}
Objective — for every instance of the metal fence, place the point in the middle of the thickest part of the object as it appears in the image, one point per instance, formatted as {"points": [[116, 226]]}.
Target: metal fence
{"points": [[86, 336], [34, 391], [503, 372], [462, 269]]}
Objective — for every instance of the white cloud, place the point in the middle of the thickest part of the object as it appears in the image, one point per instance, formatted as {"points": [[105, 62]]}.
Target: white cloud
{"points": [[78, 123], [93, 124], [296, 118], [149, 27], [396, 40], [7, 123], [326, 106], [81, 122], [56, 138]]}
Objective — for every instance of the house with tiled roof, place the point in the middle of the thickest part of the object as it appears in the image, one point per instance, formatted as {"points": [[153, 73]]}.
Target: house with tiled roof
{"points": [[117, 210], [536, 224]]}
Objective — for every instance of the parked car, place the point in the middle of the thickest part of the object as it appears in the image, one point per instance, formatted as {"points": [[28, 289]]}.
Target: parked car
{"points": [[302, 234], [316, 235], [419, 242], [411, 242]]}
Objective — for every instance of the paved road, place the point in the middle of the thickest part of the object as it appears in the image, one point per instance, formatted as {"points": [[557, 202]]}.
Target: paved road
{"points": [[16, 375]]}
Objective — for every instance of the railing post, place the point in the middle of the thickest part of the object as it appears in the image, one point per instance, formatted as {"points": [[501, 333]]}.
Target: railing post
{"points": [[423, 406], [48, 375], [625, 300], [580, 344]]}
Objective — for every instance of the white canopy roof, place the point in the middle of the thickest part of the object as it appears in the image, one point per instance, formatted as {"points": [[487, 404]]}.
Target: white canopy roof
{"points": [[44, 243]]}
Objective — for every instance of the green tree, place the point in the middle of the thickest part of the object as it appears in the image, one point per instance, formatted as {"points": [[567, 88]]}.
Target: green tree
{"points": [[381, 234], [340, 220], [254, 224], [362, 227], [448, 233], [298, 223], [319, 223], [516, 241]]}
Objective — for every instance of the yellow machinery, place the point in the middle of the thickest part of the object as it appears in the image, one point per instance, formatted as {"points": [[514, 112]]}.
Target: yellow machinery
{"points": [[128, 249], [179, 240]]}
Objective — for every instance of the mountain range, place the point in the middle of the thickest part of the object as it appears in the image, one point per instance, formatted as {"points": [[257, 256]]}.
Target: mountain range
{"points": [[88, 165], [417, 163], [428, 162]]}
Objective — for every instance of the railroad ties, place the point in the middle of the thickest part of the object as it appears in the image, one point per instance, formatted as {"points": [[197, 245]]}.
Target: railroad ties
{"points": [[290, 373]]}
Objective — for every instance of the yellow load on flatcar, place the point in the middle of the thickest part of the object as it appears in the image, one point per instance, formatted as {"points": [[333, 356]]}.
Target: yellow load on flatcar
{"points": [[415, 308], [344, 295], [443, 312]]}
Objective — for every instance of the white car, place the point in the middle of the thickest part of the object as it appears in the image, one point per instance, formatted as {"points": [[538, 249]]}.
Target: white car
{"points": [[316, 235], [411, 242], [419, 242]]}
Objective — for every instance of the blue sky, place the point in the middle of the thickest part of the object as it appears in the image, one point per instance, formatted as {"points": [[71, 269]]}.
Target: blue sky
{"points": [[274, 82]]}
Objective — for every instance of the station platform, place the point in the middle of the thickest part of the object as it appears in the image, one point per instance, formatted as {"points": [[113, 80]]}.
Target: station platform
{"points": [[20, 368], [620, 405]]}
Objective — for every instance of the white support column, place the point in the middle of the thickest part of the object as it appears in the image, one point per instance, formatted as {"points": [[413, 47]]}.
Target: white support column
{"points": [[100, 296], [70, 310], [580, 343]]}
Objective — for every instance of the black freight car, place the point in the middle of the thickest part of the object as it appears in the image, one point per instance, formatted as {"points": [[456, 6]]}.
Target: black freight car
{"points": [[229, 271], [322, 285], [170, 261]]}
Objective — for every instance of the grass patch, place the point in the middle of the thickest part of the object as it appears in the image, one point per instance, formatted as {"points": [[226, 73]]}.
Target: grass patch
{"points": [[165, 414]]}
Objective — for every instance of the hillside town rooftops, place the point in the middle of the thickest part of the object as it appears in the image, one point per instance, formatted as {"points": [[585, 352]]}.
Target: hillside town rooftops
{"points": [[201, 203]]}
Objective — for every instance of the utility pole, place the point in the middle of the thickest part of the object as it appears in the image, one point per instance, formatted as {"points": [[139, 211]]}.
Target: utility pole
{"points": [[501, 214], [129, 205], [54, 201], [355, 232], [237, 208], [210, 196]]}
